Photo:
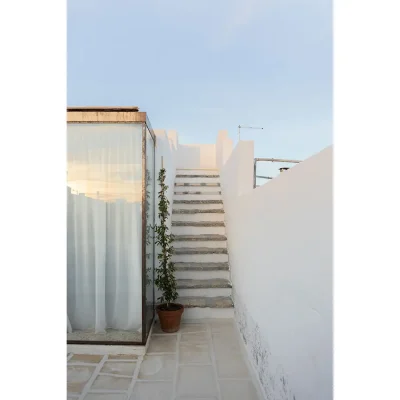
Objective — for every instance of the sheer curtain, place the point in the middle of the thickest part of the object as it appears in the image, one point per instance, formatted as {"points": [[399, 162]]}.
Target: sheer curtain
{"points": [[104, 227]]}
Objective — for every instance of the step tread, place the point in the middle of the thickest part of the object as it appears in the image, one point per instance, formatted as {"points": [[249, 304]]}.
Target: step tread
{"points": [[198, 211], [206, 302], [199, 250], [198, 223], [197, 201], [200, 238], [211, 184], [201, 266], [197, 176], [217, 283]]}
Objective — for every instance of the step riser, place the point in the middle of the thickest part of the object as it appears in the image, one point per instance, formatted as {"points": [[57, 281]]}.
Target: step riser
{"points": [[198, 230], [202, 275], [197, 206], [211, 292], [203, 189], [196, 196], [195, 244], [200, 258], [200, 313], [201, 217], [196, 180]]}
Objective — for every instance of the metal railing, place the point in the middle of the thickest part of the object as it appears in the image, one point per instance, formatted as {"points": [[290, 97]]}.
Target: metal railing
{"points": [[282, 160]]}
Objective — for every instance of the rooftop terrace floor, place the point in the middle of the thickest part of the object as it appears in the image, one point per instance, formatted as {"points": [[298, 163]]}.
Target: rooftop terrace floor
{"points": [[204, 361]]}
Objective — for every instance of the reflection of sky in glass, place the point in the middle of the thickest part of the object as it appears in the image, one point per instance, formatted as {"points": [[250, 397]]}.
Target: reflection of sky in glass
{"points": [[105, 161]]}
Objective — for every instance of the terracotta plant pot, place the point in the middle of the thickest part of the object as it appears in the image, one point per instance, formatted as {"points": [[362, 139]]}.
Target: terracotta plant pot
{"points": [[170, 320]]}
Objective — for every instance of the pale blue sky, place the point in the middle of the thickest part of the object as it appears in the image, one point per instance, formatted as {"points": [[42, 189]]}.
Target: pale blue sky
{"points": [[202, 66]]}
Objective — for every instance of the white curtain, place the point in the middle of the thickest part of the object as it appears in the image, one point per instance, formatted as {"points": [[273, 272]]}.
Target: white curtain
{"points": [[104, 228]]}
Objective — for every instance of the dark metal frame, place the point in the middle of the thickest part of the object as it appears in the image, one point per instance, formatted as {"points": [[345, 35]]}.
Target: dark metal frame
{"points": [[255, 176], [145, 125]]}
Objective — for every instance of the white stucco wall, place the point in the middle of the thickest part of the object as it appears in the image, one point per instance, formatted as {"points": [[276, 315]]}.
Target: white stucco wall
{"points": [[280, 253], [193, 156]]}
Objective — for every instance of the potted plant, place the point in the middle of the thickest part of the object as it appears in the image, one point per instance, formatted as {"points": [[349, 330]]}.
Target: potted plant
{"points": [[168, 312]]}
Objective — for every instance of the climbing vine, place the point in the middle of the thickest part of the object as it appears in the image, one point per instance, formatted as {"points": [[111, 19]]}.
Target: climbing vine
{"points": [[165, 279]]}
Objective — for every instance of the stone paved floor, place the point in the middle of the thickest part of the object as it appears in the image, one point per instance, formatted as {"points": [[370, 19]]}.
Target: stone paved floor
{"points": [[203, 361]]}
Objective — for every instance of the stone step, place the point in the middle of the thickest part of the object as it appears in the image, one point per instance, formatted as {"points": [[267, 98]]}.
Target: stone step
{"points": [[198, 223], [194, 180], [206, 302], [197, 211], [203, 283], [200, 250], [198, 217], [213, 184], [198, 230], [185, 195], [198, 189], [200, 238], [199, 257], [204, 206], [197, 176], [202, 266], [197, 201], [192, 274], [200, 243]]}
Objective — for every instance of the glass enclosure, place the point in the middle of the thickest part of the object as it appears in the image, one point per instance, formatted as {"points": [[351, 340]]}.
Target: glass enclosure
{"points": [[110, 241]]}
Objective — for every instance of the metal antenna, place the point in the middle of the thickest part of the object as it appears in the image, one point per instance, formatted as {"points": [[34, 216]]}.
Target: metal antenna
{"points": [[246, 127]]}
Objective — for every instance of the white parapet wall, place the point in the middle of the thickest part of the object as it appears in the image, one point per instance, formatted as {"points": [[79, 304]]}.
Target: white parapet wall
{"points": [[280, 255], [196, 156]]}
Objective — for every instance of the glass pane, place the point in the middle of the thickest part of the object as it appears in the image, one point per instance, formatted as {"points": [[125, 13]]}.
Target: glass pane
{"points": [[150, 212], [104, 293]]}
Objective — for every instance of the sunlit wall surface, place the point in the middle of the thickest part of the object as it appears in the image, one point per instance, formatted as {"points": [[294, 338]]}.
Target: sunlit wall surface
{"points": [[104, 222]]}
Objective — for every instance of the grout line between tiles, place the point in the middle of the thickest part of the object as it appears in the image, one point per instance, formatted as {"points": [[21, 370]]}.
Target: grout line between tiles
{"points": [[214, 363], [89, 383], [135, 376], [175, 380], [114, 375], [106, 391], [81, 364]]}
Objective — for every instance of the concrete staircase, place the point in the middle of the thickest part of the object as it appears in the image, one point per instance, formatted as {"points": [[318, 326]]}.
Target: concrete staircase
{"points": [[201, 254]]}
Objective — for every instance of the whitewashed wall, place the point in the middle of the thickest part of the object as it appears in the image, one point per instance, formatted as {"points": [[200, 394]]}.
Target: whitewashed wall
{"points": [[194, 156], [280, 253]]}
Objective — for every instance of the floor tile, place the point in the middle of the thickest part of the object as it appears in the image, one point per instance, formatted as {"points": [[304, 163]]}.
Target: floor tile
{"points": [[122, 357], [158, 367], [196, 381], [225, 344], [106, 382], [152, 391], [225, 326], [194, 353], [238, 390], [232, 366], [197, 337], [105, 396], [162, 344], [186, 328], [119, 368], [87, 358], [77, 377], [196, 398]]}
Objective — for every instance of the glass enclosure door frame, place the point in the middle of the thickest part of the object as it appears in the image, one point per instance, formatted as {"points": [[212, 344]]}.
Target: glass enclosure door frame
{"points": [[147, 125], [127, 115]]}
